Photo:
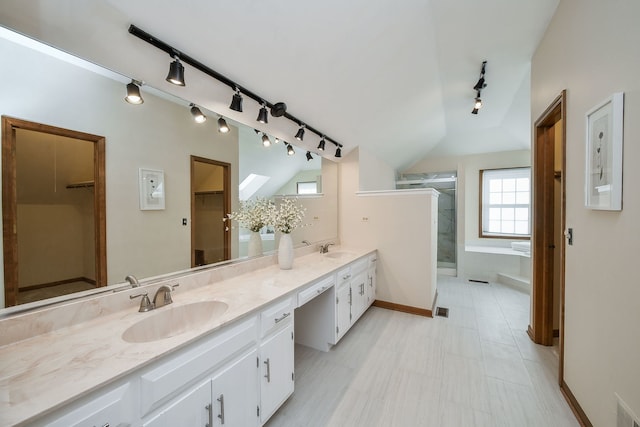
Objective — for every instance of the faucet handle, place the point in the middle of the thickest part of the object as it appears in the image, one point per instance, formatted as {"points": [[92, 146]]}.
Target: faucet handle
{"points": [[145, 303]]}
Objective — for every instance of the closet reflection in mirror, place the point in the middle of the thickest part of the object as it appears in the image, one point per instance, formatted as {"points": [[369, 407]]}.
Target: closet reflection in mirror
{"points": [[161, 135]]}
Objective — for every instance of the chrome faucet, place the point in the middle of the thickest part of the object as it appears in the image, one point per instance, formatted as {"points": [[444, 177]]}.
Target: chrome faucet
{"points": [[132, 279], [325, 248], [165, 292]]}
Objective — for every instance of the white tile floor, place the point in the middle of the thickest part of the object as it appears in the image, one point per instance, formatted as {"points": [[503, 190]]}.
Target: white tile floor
{"points": [[476, 368]]}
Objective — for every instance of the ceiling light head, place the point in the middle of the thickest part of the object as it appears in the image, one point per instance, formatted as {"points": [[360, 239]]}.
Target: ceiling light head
{"points": [[236, 101], [133, 93], [276, 140], [321, 144], [338, 152], [478, 104], [197, 114], [290, 150], [300, 133], [278, 109], [176, 73], [309, 156], [474, 111], [263, 116], [265, 140], [222, 125], [480, 85]]}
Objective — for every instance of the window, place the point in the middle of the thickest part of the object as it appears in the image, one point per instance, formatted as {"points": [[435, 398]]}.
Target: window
{"points": [[310, 187], [505, 202]]}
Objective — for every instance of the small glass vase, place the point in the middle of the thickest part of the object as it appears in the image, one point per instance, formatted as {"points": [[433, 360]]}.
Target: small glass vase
{"points": [[255, 244], [285, 252]]}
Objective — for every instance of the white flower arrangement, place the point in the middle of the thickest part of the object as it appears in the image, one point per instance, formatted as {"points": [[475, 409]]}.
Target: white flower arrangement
{"points": [[253, 214], [287, 216]]}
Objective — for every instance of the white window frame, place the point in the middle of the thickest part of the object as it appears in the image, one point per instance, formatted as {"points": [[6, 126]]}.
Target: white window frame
{"points": [[502, 207]]}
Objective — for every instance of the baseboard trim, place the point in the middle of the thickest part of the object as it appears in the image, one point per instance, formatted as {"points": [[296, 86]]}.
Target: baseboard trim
{"points": [[403, 308], [575, 406], [57, 283]]}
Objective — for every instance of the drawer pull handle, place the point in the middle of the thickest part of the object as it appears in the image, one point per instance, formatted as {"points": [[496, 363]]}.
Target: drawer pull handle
{"points": [[221, 415], [268, 376], [319, 291], [346, 276], [281, 318]]}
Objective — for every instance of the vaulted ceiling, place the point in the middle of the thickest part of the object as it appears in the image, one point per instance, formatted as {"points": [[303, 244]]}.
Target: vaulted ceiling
{"points": [[393, 77]]}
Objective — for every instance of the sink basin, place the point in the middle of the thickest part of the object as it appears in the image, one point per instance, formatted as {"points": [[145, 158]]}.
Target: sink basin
{"points": [[339, 254], [170, 321]]}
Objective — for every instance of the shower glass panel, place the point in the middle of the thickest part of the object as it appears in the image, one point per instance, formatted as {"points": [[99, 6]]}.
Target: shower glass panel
{"points": [[446, 184]]}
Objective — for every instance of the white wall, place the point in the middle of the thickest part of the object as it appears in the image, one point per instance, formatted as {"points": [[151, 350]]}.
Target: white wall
{"points": [[470, 264], [157, 134], [402, 225], [375, 174], [591, 50]]}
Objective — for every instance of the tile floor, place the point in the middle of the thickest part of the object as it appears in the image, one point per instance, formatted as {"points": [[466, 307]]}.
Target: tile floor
{"points": [[477, 367]]}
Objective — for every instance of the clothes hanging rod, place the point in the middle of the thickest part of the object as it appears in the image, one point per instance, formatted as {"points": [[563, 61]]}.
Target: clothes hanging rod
{"points": [[173, 52]]}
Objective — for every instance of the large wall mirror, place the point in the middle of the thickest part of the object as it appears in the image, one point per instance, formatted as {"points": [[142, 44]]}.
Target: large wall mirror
{"points": [[49, 88]]}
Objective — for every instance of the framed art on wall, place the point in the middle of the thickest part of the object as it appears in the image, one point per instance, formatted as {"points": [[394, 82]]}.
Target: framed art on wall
{"points": [[603, 169], [151, 189]]}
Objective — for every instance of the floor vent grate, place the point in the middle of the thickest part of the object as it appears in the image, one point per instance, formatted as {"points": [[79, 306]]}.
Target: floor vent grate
{"points": [[442, 312]]}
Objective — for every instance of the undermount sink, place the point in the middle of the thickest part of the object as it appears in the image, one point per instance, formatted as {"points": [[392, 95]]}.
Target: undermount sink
{"points": [[170, 321], [339, 254]]}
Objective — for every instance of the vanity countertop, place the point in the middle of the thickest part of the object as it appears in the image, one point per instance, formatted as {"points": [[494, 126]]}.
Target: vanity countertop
{"points": [[48, 371]]}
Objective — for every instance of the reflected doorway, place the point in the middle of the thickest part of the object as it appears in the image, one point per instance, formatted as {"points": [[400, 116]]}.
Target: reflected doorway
{"points": [[210, 202], [53, 203]]}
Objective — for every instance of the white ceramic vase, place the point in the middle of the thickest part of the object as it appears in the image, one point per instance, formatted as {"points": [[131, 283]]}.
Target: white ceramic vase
{"points": [[285, 252], [255, 244]]}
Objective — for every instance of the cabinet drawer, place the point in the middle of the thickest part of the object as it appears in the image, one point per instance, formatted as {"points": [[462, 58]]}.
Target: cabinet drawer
{"points": [[373, 259], [343, 276], [111, 406], [277, 315], [359, 266], [314, 290], [175, 372]]}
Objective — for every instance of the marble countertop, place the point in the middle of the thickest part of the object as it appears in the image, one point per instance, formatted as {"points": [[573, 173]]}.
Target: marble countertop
{"points": [[46, 372]]}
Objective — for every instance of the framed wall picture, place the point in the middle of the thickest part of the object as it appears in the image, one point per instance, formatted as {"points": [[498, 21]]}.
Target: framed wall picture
{"points": [[151, 189], [603, 171]]}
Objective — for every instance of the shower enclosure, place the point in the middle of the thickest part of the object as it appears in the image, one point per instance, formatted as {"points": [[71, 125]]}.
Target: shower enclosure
{"points": [[446, 184]]}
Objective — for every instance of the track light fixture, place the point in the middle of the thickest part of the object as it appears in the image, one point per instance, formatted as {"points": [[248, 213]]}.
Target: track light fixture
{"points": [[265, 140], [290, 150], [197, 114], [338, 152], [176, 76], [321, 144], [309, 156], [176, 72], [276, 140], [263, 116], [236, 101], [222, 125], [133, 93], [478, 88]]}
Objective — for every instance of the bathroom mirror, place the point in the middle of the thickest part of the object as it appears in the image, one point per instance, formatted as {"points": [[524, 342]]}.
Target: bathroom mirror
{"points": [[158, 135]]}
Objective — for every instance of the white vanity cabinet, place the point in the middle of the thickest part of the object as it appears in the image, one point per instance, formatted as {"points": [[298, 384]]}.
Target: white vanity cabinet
{"points": [[200, 382], [276, 357], [115, 405], [351, 296]]}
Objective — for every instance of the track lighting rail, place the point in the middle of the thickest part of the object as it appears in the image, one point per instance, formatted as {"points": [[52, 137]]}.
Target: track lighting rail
{"points": [[183, 57]]}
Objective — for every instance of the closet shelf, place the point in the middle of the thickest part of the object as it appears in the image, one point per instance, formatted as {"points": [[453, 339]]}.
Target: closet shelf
{"points": [[81, 184]]}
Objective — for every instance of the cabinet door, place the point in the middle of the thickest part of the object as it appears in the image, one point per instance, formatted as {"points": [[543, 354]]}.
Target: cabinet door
{"points": [[192, 409], [235, 393], [276, 364], [343, 311], [359, 295]]}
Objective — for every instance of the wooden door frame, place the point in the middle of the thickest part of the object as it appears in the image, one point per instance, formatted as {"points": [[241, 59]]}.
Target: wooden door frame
{"points": [[541, 327], [226, 167], [10, 204]]}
